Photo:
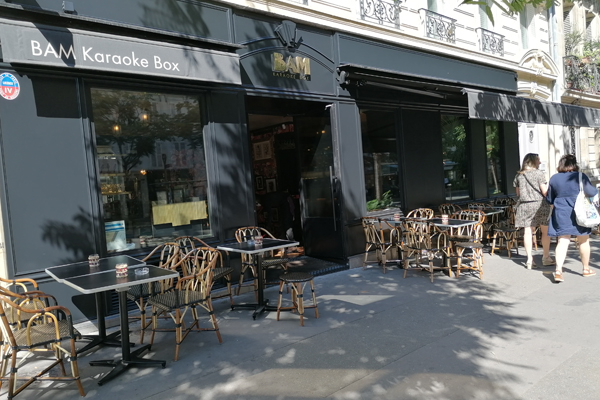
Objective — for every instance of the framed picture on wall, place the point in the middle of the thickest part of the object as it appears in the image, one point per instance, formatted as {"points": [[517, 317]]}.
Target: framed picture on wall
{"points": [[260, 183], [262, 150], [271, 185]]}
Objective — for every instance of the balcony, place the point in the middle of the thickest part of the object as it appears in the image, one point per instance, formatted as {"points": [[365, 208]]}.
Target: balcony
{"points": [[490, 42], [438, 26], [582, 74], [382, 12]]}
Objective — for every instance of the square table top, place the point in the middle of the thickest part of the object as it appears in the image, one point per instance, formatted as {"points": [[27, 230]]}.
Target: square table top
{"points": [[87, 280], [62, 272], [251, 248]]}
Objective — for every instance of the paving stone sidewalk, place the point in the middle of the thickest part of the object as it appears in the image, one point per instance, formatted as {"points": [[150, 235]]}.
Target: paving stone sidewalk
{"points": [[513, 335]]}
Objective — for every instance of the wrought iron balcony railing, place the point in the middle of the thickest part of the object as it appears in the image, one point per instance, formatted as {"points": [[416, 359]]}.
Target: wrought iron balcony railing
{"points": [[438, 26], [581, 74], [490, 42], [384, 12]]}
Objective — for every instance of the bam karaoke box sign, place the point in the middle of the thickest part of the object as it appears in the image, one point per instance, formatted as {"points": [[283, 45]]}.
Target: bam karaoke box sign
{"points": [[23, 42]]}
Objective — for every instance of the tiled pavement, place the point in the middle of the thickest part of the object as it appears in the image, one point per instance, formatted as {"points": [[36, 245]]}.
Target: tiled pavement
{"points": [[513, 335]]}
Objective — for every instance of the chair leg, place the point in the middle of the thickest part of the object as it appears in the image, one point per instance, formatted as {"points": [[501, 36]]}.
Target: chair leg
{"points": [[75, 368], [300, 298], [314, 298], [178, 335], [280, 298], [213, 319]]}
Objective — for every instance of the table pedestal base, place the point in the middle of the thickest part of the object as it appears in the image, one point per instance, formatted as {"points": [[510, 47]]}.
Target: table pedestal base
{"points": [[96, 340], [258, 308], [120, 366]]}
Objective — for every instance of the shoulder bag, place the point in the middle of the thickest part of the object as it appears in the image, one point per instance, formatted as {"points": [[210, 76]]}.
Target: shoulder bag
{"points": [[585, 211]]}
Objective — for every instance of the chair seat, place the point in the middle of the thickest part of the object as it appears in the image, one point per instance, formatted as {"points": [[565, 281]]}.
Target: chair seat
{"points": [[219, 273], [176, 298], [269, 262], [294, 277], [470, 245], [460, 238], [44, 333]]}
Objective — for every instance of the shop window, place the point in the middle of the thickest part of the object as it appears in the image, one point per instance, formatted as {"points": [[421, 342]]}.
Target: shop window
{"points": [[455, 156], [493, 157], [380, 158], [152, 168]]}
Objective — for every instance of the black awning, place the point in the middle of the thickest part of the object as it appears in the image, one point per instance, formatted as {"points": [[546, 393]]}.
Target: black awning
{"points": [[503, 107]]}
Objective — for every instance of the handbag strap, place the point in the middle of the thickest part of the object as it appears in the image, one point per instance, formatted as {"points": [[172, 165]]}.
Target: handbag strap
{"points": [[580, 181]]}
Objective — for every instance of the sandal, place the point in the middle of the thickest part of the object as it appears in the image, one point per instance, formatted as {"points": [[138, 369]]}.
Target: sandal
{"points": [[558, 277], [588, 272], [530, 265]]}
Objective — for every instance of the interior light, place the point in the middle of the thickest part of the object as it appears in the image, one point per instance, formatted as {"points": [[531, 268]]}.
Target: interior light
{"points": [[143, 172]]}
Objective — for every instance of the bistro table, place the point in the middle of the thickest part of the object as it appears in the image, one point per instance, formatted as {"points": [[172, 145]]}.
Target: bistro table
{"points": [[257, 251], [62, 272], [100, 279]]}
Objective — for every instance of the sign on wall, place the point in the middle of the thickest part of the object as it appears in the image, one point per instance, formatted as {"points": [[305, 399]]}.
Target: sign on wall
{"points": [[9, 86], [24, 42]]}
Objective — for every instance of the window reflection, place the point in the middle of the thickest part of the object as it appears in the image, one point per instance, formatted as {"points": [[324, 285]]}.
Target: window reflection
{"points": [[454, 147], [380, 158], [152, 167]]}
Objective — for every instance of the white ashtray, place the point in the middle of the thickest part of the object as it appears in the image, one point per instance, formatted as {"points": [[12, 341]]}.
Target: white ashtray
{"points": [[142, 271]]}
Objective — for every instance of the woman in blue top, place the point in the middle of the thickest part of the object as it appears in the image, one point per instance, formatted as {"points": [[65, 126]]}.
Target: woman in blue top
{"points": [[562, 192]]}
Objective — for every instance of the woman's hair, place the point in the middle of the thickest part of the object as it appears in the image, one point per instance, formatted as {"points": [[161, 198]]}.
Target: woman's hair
{"points": [[567, 163], [529, 162]]}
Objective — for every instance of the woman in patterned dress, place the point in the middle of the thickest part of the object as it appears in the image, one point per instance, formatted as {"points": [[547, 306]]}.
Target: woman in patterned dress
{"points": [[532, 208]]}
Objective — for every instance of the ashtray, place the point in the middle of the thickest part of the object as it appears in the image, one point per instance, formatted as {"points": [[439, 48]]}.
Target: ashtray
{"points": [[142, 271]]}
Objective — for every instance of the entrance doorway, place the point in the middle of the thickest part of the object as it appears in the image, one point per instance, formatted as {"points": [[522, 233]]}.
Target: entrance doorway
{"points": [[292, 165]]}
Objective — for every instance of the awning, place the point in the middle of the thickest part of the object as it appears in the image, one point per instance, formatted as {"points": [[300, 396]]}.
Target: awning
{"points": [[502, 107]]}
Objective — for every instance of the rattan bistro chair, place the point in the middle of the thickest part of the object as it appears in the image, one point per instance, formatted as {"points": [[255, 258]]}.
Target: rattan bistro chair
{"points": [[29, 326], [448, 208], [426, 213], [169, 257], [192, 292], [379, 237], [272, 259], [422, 241], [223, 271]]}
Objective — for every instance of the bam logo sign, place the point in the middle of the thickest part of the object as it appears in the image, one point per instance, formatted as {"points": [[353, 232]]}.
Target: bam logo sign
{"points": [[291, 67]]}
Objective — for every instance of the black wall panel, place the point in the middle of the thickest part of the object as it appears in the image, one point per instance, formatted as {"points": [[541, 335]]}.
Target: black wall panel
{"points": [[191, 18], [423, 171], [478, 165], [230, 155], [46, 180], [351, 174], [512, 162]]}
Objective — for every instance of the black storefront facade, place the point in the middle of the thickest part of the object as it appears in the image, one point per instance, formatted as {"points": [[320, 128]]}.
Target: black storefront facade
{"points": [[125, 133]]}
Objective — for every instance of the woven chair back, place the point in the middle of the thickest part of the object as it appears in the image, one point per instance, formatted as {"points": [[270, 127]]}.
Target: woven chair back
{"points": [[421, 213], [477, 206], [204, 260], [449, 208]]}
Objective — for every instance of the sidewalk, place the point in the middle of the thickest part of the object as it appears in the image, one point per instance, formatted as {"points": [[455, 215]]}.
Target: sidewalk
{"points": [[514, 335]]}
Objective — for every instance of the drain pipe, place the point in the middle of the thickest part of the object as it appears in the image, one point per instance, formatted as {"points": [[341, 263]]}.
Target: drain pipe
{"points": [[554, 53]]}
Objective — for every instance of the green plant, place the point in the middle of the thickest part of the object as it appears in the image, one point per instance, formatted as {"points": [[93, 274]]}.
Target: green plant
{"points": [[385, 201], [591, 49], [572, 41]]}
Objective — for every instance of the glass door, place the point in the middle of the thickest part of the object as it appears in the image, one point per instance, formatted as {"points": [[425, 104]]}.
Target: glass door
{"points": [[319, 197]]}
